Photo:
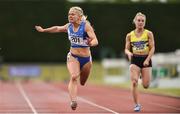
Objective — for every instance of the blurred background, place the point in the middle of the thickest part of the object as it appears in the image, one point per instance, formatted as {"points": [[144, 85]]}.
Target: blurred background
{"points": [[26, 54]]}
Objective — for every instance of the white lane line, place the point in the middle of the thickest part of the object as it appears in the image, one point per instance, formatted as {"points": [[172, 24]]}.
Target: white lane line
{"points": [[96, 105], [19, 86], [83, 100]]}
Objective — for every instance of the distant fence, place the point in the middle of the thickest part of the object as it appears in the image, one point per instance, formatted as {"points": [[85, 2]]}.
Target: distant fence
{"points": [[115, 70], [166, 70]]}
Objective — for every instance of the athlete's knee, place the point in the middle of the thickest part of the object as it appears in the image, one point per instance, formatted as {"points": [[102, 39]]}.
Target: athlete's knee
{"points": [[83, 80], [146, 86], [74, 77], [135, 82], [82, 83]]}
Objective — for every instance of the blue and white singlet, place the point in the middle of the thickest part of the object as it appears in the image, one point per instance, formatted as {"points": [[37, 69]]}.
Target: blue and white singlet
{"points": [[78, 39]]}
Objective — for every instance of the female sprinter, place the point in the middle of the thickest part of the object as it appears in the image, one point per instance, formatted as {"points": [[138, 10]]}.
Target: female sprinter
{"points": [[139, 48], [82, 37]]}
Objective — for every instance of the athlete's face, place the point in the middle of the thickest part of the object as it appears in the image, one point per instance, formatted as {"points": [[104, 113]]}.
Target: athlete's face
{"points": [[73, 16], [140, 22]]}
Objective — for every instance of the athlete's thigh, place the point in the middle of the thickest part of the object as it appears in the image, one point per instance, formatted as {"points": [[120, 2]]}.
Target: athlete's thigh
{"points": [[85, 71], [73, 66], [86, 68], [134, 71], [146, 75]]}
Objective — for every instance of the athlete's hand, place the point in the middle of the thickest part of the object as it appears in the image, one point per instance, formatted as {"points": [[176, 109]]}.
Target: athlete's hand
{"points": [[39, 28], [129, 56], [89, 41], [146, 63]]}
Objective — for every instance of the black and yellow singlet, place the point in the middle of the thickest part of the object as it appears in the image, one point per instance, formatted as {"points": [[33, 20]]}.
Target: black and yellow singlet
{"points": [[139, 45]]}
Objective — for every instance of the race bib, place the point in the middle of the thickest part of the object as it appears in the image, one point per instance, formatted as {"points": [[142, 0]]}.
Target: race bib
{"points": [[78, 41]]}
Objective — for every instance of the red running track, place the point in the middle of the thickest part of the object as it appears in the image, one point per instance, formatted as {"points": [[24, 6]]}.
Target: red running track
{"points": [[51, 98]]}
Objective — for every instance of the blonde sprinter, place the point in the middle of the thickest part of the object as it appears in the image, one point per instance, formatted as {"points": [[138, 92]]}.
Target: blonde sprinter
{"points": [[82, 37], [139, 48]]}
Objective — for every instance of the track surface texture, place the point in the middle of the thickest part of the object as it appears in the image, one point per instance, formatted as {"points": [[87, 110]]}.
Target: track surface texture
{"points": [[53, 98]]}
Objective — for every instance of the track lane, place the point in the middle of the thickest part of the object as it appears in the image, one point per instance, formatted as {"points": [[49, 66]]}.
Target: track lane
{"points": [[11, 100], [19, 86], [52, 98], [120, 100], [48, 99]]}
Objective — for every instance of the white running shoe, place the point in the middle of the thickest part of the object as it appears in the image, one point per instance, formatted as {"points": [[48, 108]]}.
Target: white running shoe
{"points": [[137, 108], [73, 105]]}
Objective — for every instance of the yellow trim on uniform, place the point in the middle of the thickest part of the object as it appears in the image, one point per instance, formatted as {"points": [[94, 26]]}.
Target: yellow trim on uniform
{"points": [[139, 45]]}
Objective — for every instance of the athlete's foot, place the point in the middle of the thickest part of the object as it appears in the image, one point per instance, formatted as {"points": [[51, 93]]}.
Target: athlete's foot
{"points": [[137, 108], [73, 105]]}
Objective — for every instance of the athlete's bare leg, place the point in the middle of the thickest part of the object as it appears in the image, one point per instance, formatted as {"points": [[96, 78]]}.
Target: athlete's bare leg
{"points": [[134, 74], [85, 71], [146, 76], [74, 70]]}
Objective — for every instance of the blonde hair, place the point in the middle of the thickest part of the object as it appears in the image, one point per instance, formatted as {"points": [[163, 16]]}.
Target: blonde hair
{"points": [[80, 12], [138, 14]]}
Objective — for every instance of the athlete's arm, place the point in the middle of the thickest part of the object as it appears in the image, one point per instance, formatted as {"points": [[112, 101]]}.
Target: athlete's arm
{"points": [[53, 29], [127, 47], [151, 46], [92, 40]]}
